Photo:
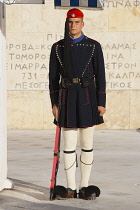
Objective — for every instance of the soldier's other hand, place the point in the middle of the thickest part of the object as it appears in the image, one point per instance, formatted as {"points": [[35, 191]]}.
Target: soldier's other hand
{"points": [[101, 110], [55, 112]]}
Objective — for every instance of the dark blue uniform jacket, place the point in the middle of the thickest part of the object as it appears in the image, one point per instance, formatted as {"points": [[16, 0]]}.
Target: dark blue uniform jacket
{"points": [[79, 106]]}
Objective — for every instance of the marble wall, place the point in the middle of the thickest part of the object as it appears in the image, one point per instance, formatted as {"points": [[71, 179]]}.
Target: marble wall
{"points": [[31, 30]]}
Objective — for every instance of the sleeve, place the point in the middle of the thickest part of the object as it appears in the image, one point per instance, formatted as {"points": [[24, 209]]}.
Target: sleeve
{"points": [[54, 77], [100, 76]]}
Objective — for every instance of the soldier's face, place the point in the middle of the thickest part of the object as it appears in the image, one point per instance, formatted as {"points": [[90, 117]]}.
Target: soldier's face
{"points": [[75, 26]]}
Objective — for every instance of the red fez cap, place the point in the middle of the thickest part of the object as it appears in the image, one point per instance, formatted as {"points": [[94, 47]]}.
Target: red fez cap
{"points": [[75, 13]]}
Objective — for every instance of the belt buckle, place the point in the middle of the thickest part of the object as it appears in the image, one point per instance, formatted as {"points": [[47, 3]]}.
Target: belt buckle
{"points": [[75, 80]]}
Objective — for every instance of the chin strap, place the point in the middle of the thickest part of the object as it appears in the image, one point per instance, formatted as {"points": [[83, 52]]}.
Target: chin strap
{"points": [[70, 152], [84, 150]]}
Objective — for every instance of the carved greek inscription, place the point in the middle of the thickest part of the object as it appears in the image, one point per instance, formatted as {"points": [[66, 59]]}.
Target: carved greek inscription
{"points": [[28, 64], [122, 3], [121, 71]]}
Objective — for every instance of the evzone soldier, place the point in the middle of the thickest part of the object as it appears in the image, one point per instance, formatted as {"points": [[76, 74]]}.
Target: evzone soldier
{"points": [[77, 71]]}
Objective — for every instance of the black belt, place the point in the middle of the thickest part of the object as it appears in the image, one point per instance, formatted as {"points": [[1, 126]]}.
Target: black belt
{"points": [[84, 81]]}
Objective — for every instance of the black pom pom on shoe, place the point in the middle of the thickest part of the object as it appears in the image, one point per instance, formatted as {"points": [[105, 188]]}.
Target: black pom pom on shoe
{"points": [[60, 192], [91, 192]]}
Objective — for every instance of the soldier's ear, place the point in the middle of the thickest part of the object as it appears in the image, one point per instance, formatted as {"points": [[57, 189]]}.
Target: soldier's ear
{"points": [[83, 24]]}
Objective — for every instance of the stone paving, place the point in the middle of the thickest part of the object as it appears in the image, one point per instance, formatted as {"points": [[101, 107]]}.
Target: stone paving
{"points": [[115, 170]]}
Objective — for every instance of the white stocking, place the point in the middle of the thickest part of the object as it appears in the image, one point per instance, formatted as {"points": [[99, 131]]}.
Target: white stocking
{"points": [[70, 142], [86, 141]]}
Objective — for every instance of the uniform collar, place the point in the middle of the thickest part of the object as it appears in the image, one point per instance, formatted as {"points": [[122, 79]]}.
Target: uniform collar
{"points": [[73, 41]]}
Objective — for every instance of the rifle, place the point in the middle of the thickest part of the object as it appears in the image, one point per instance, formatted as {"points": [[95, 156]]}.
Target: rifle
{"points": [[56, 151], [55, 161]]}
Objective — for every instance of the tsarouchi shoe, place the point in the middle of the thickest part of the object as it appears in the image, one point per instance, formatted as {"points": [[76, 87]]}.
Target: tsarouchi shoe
{"points": [[89, 193], [61, 193]]}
